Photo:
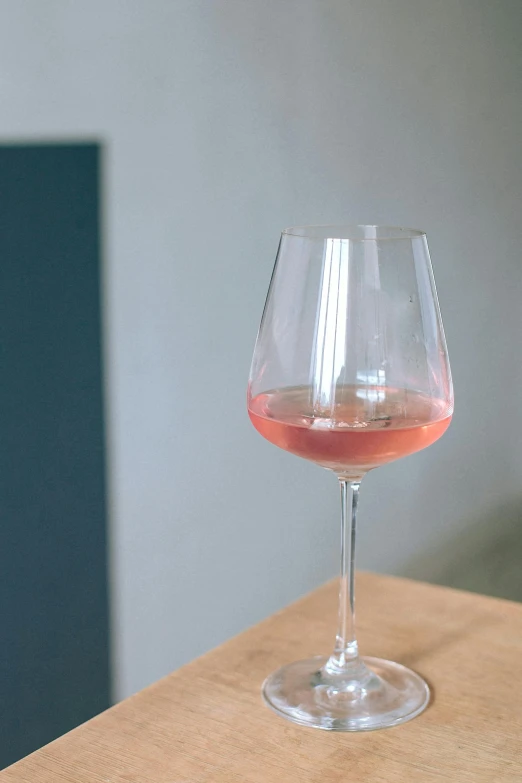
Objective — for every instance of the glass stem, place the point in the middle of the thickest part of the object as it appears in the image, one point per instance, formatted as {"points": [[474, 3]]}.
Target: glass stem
{"points": [[346, 653]]}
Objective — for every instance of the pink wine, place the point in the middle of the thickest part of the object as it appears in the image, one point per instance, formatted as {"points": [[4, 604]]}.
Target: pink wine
{"points": [[365, 428]]}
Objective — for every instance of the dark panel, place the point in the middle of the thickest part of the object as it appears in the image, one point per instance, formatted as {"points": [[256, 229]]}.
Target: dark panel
{"points": [[53, 581]]}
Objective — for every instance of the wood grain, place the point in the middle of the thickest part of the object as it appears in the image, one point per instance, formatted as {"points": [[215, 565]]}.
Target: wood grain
{"points": [[206, 723]]}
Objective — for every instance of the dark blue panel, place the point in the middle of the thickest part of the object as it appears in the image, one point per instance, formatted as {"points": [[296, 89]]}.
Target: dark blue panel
{"points": [[53, 566]]}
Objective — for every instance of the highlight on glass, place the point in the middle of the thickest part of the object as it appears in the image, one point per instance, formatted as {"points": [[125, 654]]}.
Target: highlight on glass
{"points": [[350, 371]]}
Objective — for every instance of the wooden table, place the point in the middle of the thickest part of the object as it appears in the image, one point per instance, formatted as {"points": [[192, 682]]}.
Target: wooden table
{"points": [[205, 723]]}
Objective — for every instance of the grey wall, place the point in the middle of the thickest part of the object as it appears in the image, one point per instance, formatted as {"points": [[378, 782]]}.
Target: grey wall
{"points": [[224, 122]]}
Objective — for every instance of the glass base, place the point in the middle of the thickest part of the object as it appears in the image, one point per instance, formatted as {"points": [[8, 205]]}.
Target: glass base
{"points": [[375, 694]]}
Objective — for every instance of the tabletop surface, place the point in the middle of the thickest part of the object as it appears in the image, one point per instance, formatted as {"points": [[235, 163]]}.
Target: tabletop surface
{"points": [[206, 723]]}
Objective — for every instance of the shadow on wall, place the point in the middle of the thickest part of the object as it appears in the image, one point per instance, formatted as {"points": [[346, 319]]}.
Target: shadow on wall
{"points": [[485, 558]]}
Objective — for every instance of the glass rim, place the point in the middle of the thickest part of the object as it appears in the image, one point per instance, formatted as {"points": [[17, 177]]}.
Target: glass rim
{"points": [[360, 232]]}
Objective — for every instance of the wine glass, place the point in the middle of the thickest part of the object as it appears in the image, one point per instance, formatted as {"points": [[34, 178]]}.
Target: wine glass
{"points": [[350, 371]]}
